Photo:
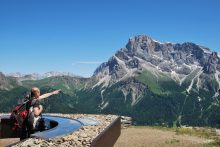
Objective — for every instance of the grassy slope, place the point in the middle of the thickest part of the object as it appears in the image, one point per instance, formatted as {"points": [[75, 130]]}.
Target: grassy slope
{"points": [[170, 100]]}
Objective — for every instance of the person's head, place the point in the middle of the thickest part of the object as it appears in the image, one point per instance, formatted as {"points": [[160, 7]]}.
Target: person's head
{"points": [[35, 92]]}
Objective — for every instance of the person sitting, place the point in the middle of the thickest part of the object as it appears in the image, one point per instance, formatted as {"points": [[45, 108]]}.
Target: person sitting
{"points": [[33, 122]]}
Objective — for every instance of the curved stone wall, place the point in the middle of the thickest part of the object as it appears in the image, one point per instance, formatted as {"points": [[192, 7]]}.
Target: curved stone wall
{"points": [[87, 135]]}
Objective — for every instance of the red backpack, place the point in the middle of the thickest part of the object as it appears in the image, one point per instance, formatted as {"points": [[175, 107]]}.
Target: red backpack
{"points": [[18, 115]]}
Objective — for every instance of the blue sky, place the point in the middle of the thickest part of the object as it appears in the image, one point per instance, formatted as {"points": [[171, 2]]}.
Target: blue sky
{"points": [[77, 35]]}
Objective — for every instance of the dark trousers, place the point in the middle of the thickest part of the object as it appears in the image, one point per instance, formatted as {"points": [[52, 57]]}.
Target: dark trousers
{"points": [[25, 130]]}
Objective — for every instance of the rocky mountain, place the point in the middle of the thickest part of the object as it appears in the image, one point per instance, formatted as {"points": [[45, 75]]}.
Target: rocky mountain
{"points": [[185, 75], [179, 62], [143, 53], [156, 83]]}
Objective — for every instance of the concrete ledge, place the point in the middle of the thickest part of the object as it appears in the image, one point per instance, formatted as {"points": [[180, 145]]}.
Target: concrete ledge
{"points": [[109, 136]]}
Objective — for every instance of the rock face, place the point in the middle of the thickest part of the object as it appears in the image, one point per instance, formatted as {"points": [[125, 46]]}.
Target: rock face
{"points": [[135, 88], [126, 121], [144, 53]]}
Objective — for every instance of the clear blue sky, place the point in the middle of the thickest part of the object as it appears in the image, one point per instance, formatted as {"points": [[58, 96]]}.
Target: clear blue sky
{"points": [[77, 35]]}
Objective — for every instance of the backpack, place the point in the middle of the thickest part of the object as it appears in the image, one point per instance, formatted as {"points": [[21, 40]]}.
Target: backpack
{"points": [[22, 112], [19, 114]]}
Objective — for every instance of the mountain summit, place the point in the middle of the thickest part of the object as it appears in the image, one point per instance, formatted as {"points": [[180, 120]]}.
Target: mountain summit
{"points": [[177, 61]]}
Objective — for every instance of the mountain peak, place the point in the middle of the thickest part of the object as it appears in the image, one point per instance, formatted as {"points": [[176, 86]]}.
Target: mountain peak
{"points": [[133, 42], [144, 53], [141, 38]]}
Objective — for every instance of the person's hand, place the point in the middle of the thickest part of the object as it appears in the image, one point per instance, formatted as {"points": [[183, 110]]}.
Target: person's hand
{"points": [[56, 91]]}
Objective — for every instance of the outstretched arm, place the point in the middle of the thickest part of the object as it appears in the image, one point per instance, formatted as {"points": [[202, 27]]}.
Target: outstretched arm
{"points": [[49, 94]]}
